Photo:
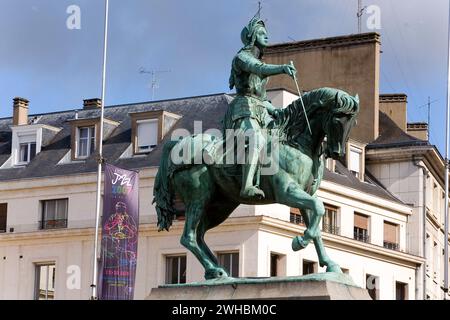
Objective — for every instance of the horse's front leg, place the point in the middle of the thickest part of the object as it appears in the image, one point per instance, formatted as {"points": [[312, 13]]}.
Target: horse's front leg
{"points": [[294, 196], [324, 259]]}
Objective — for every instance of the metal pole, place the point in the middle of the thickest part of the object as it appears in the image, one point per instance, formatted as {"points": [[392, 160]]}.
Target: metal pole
{"points": [[100, 160], [445, 289], [359, 14], [429, 112]]}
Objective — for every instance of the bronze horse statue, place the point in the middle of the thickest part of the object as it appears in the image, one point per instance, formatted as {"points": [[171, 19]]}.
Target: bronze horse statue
{"points": [[210, 193]]}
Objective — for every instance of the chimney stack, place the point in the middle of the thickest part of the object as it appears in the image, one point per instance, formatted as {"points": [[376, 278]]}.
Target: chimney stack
{"points": [[20, 113], [92, 103]]}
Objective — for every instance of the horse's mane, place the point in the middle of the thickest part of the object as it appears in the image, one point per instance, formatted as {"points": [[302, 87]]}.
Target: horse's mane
{"points": [[291, 120]]}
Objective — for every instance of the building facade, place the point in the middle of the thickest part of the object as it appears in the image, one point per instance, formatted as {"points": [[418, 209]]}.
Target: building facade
{"points": [[384, 204], [49, 199]]}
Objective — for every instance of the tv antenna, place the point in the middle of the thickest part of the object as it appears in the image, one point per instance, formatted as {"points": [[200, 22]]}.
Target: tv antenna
{"points": [[154, 84], [428, 104], [359, 14]]}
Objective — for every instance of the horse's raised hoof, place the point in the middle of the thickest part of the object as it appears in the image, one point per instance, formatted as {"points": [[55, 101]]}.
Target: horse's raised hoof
{"points": [[215, 273], [253, 193], [298, 243], [334, 267]]}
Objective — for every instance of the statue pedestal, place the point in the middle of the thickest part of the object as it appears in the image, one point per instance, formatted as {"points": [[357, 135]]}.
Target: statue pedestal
{"points": [[324, 286]]}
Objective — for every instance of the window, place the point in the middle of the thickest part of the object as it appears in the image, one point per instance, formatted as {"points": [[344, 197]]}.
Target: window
{"points": [[345, 271], [372, 285], [330, 164], [45, 282], [54, 214], [148, 128], [401, 291], [230, 261], [436, 257], [428, 253], [3, 214], [391, 236], [86, 141], [277, 265], [329, 222], [27, 152], [147, 135], [309, 267], [26, 148], [355, 160], [435, 200], [175, 269], [361, 228], [296, 217]]}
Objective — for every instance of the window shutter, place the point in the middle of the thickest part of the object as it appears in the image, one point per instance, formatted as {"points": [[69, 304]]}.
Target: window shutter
{"points": [[390, 232], [147, 133], [355, 161], [361, 221]]}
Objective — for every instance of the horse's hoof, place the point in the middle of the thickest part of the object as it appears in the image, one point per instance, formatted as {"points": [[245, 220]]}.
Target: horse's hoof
{"points": [[333, 267], [253, 193], [298, 243], [215, 273]]}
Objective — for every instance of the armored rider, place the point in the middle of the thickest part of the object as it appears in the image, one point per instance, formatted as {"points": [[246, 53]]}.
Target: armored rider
{"points": [[250, 109]]}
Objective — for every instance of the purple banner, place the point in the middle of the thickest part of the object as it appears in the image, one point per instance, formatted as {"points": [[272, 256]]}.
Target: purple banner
{"points": [[120, 224]]}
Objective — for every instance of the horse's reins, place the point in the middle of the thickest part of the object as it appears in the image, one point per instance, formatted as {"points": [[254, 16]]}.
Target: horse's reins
{"points": [[301, 99]]}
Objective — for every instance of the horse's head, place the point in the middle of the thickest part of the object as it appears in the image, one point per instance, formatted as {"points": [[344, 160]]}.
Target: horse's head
{"points": [[331, 112], [340, 120]]}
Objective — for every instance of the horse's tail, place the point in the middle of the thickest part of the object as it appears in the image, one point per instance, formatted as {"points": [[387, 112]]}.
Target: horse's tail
{"points": [[162, 191]]}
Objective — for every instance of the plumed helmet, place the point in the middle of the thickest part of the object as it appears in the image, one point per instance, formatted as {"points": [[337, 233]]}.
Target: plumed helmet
{"points": [[248, 34]]}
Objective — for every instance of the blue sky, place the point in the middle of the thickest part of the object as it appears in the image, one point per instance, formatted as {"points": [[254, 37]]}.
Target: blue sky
{"points": [[56, 68]]}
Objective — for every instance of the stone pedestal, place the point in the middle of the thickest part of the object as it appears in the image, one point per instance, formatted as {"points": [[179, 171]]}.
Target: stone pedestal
{"points": [[326, 286]]}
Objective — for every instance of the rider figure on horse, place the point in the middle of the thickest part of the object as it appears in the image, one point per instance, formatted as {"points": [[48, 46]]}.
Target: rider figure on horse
{"points": [[249, 112]]}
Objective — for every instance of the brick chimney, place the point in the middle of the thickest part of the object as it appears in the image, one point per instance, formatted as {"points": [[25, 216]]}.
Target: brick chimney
{"points": [[418, 130], [92, 103], [394, 106], [20, 113]]}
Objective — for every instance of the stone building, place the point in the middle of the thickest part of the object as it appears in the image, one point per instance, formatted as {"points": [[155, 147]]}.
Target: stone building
{"points": [[371, 228]]}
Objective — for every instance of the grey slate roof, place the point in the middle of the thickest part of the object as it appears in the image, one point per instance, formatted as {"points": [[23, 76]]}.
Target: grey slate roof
{"points": [[370, 185], [392, 135], [209, 109]]}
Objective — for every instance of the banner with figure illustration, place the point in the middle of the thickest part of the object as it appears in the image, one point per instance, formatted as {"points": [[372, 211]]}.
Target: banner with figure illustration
{"points": [[120, 224]]}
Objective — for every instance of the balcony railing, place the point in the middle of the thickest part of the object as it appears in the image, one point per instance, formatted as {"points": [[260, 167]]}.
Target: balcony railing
{"points": [[331, 228], [53, 224], [361, 235], [297, 219], [391, 245]]}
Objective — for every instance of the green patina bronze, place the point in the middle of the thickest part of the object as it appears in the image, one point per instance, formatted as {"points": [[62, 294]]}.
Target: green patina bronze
{"points": [[211, 192]]}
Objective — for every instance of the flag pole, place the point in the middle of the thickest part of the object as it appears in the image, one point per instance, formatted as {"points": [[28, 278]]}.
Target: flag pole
{"points": [[445, 288], [100, 161]]}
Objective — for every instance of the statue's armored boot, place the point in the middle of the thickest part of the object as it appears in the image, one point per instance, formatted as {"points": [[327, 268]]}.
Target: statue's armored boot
{"points": [[249, 190]]}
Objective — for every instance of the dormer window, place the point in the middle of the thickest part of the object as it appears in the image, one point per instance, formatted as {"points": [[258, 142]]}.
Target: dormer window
{"points": [[85, 136], [147, 135], [149, 128], [27, 152], [24, 145], [355, 159], [85, 141]]}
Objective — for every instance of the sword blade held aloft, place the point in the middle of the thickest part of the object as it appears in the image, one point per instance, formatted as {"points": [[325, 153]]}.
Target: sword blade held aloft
{"points": [[301, 99]]}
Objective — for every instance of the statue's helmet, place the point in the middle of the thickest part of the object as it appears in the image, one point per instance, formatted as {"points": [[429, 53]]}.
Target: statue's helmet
{"points": [[248, 34]]}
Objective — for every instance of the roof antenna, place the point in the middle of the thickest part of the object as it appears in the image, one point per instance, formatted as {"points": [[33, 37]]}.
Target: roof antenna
{"points": [[154, 84], [359, 14]]}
